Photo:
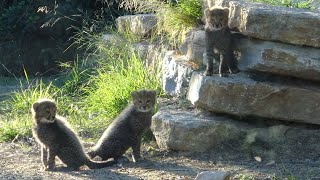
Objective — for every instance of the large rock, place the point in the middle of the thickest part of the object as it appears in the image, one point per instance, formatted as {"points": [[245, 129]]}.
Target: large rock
{"points": [[176, 73], [242, 96], [279, 58], [289, 25], [141, 24], [193, 46], [186, 131]]}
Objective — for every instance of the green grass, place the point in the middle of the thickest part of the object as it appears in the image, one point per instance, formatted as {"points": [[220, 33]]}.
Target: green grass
{"points": [[177, 19], [287, 3], [16, 125]]}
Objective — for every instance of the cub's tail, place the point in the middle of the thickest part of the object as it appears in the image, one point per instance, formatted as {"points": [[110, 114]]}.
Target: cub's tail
{"points": [[99, 164]]}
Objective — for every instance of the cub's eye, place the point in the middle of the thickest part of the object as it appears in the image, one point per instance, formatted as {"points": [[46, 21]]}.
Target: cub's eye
{"points": [[139, 101], [148, 101]]}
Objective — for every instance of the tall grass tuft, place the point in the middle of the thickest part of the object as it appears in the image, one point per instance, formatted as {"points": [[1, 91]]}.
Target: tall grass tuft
{"points": [[121, 70], [17, 119]]}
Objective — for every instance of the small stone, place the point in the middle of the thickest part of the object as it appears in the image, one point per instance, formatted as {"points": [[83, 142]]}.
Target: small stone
{"points": [[213, 175]]}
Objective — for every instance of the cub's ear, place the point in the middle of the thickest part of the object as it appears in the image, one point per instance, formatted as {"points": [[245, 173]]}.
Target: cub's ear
{"points": [[134, 94], [207, 12], [153, 93], [35, 106]]}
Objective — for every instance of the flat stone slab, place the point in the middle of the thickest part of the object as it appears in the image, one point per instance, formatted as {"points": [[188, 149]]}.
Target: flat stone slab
{"points": [[183, 130], [289, 25], [140, 24], [279, 58], [242, 96]]}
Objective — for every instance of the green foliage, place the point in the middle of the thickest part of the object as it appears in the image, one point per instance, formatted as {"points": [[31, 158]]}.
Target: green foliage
{"points": [[14, 126], [175, 18], [287, 3], [18, 16], [75, 79], [111, 88], [191, 8]]}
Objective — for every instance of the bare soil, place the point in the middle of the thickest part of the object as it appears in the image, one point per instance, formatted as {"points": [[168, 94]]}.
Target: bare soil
{"points": [[21, 160]]}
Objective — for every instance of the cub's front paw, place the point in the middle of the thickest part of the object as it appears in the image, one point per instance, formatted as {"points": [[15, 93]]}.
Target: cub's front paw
{"points": [[47, 168], [235, 71], [208, 73], [137, 158], [224, 74]]}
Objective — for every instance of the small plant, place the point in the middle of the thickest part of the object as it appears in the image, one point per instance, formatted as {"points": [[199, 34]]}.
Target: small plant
{"points": [[75, 78], [14, 126], [175, 18]]}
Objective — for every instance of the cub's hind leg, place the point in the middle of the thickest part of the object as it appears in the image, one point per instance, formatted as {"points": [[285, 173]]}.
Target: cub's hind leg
{"points": [[233, 67], [232, 62], [211, 57], [223, 67], [136, 151]]}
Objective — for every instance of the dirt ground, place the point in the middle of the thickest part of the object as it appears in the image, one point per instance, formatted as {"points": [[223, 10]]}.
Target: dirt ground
{"points": [[21, 160]]}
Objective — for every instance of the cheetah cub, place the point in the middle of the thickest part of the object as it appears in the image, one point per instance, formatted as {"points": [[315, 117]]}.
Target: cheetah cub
{"points": [[219, 42], [126, 130], [56, 138]]}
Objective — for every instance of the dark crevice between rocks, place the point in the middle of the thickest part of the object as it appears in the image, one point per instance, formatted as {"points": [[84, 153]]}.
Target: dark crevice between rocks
{"points": [[261, 122], [284, 80]]}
